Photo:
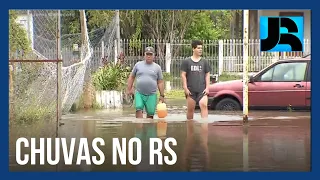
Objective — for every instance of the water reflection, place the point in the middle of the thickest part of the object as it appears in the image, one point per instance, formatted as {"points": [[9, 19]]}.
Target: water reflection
{"points": [[195, 156], [82, 129], [245, 151], [145, 131], [264, 145]]}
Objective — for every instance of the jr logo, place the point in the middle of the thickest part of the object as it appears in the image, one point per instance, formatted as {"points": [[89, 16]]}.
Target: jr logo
{"points": [[281, 34]]}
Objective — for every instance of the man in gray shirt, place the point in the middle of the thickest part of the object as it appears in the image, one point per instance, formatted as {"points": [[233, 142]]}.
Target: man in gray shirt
{"points": [[149, 78], [196, 80]]}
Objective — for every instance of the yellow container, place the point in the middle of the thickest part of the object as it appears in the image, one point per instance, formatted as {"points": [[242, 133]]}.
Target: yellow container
{"points": [[162, 110]]}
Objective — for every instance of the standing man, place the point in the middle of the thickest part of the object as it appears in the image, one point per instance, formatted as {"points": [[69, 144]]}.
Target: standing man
{"points": [[196, 80], [149, 78]]}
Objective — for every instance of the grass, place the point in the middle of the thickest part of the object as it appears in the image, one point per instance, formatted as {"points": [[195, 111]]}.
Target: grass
{"points": [[80, 104], [229, 77], [96, 105], [174, 94], [32, 114], [167, 76], [179, 93]]}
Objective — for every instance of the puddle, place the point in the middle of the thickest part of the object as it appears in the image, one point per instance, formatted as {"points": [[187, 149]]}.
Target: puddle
{"points": [[273, 141]]}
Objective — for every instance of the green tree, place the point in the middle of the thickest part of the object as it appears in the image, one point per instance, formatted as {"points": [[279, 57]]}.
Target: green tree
{"points": [[99, 18], [95, 19], [18, 39], [156, 24], [210, 25], [70, 24], [163, 25]]}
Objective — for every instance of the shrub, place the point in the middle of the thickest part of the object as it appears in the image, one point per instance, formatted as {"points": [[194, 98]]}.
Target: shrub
{"points": [[32, 114], [111, 77], [167, 76]]}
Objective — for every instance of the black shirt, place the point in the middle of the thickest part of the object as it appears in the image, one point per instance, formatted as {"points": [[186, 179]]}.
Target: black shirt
{"points": [[196, 74]]}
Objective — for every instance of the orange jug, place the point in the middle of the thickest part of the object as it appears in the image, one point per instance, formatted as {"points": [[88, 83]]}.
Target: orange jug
{"points": [[162, 110]]}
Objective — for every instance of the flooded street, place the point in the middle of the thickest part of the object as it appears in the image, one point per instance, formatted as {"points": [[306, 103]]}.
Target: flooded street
{"points": [[273, 141]]}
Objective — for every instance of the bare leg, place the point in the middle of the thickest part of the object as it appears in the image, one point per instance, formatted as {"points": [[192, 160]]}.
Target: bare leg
{"points": [[149, 117], [203, 103], [188, 145], [139, 114], [191, 104], [204, 143], [139, 125]]}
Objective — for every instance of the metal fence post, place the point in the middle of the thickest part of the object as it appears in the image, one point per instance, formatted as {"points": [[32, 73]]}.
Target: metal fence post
{"points": [[102, 54], [115, 51], [168, 64]]}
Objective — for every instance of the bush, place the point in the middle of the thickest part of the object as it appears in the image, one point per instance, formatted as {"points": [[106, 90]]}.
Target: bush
{"points": [[167, 76], [18, 39], [26, 106], [111, 77], [32, 114]]}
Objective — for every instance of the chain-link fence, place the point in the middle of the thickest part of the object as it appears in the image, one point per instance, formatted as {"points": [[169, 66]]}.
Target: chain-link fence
{"points": [[49, 70], [37, 46], [33, 76]]}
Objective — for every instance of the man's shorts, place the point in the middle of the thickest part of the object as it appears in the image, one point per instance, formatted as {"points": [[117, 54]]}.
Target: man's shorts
{"points": [[196, 96], [148, 102]]}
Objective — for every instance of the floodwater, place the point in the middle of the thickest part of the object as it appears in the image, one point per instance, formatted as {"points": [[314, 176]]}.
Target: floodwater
{"points": [[272, 141]]}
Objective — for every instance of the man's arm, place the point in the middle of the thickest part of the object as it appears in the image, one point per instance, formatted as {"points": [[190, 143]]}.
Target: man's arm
{"points": [[132, 78], [207, 71], [130, 82], [184, 79], [160, 82], [207, 80], [184, 68]]}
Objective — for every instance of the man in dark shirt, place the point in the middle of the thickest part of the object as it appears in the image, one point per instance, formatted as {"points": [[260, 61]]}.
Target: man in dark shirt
{"points": [[196, 80]]}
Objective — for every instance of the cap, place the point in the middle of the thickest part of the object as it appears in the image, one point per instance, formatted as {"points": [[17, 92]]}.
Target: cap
{"points": [[149, 50]]}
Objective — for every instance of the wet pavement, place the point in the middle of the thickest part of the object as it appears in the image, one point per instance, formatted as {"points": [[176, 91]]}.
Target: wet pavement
{"points": [[272, 141]]}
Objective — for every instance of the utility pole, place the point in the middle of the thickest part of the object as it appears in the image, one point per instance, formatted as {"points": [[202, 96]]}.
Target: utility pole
{"points": [[83, 33], [59, 78], [30, 22], [118, 34], [245, 65], [59, 68], [245, 89]]}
